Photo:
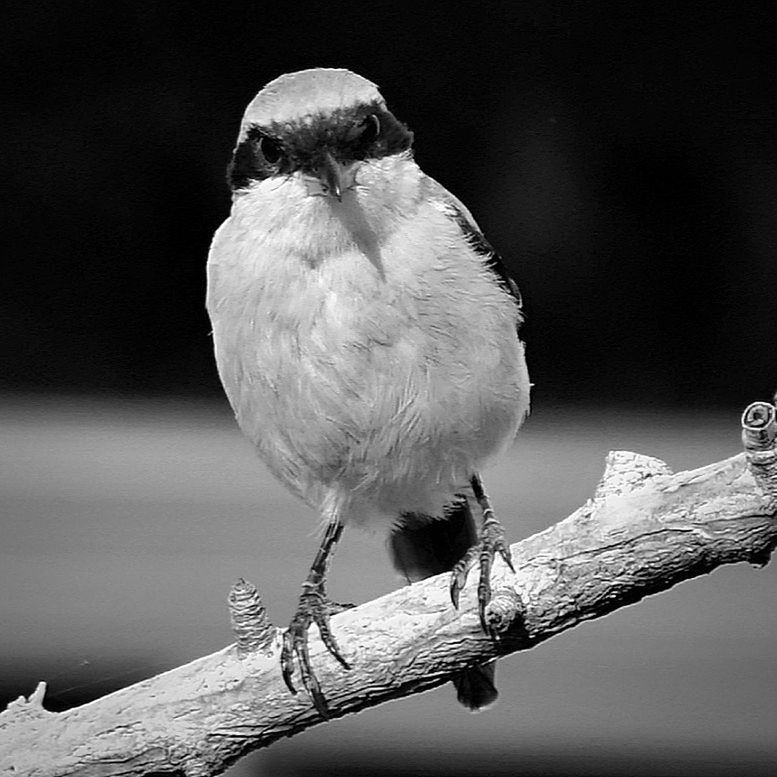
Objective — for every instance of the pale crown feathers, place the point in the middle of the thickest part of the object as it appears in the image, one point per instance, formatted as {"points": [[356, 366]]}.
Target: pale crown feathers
{"points": [[295, 96]]}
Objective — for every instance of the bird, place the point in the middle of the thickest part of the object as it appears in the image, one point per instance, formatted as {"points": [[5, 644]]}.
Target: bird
{"points": [[366, 337]]}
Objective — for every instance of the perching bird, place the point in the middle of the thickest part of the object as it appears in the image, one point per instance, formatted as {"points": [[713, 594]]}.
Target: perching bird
{"points": [[366, 337]]}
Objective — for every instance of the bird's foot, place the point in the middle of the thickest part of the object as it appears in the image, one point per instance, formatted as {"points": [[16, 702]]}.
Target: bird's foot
{"points": [[332, 608], [492, 541], [313, 608]]}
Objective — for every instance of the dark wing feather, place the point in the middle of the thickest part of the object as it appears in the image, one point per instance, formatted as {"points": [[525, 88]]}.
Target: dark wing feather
{"points": [[491, 258], [476, 239]]}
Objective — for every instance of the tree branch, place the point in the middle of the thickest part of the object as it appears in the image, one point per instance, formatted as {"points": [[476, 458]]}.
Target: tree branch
{"points": [[644, 530]]}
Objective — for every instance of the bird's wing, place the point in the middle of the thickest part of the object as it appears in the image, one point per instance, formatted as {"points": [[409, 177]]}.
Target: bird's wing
{"points": [[443, 199]]}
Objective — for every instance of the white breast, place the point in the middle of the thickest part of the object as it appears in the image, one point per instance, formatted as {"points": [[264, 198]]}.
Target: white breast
{"points": [[365, 350]]}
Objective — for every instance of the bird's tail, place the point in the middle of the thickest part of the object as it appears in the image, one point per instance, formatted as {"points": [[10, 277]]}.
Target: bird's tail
{"points": [[422, 547], [475, 687]]}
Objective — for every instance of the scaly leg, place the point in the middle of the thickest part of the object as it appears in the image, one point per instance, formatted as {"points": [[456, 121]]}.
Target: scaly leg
{"points": [[313, 608], [491, 542]]}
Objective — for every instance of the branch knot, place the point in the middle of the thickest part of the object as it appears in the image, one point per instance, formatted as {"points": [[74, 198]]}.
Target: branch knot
{"points": [[250, 625], [759, 430]]}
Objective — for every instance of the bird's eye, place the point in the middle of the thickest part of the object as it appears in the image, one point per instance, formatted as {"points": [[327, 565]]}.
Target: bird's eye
{"points": [[271, 149], [369, 129]]}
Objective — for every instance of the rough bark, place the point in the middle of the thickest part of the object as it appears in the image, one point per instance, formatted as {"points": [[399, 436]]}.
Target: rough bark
{"points": [[644, 530]]}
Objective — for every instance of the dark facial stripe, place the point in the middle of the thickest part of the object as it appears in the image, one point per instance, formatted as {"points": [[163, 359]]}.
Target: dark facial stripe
{"points": [[348, 135]]}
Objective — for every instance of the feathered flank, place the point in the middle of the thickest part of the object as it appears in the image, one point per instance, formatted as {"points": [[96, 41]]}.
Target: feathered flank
{"points": [[476, 238], [491, 258]]}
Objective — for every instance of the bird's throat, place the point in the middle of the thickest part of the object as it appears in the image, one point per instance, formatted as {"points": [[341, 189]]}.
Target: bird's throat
{"points": [[350, 213]]}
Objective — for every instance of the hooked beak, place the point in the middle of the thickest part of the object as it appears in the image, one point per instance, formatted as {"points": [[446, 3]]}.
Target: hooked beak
{"points": [[330, 174]]}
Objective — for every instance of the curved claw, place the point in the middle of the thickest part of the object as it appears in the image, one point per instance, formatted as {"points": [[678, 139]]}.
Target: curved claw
{"points": [[287, 660], [506, 554], [312, 608], [460, 572], [328, 639], [484, 584], [491, 543], [309, 679], [457, 583]]}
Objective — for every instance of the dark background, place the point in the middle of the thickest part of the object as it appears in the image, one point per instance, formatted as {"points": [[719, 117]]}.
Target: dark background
{"points": [[620, 156]]}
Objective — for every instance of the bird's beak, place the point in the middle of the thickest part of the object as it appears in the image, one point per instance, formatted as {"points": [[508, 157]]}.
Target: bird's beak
{"points": [[331, 175]]}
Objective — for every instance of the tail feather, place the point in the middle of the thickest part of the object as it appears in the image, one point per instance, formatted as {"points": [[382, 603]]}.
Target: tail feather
{"points": [[421, 547], [475, 687]]}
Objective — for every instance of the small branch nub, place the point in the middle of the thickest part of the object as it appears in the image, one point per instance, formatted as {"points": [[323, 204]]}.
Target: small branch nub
{"points": [[759, 426], [252, 630], [759, 431], [503, 610]]}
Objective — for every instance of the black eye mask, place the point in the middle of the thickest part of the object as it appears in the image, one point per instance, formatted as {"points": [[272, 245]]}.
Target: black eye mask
{"points": [[349, 135]]}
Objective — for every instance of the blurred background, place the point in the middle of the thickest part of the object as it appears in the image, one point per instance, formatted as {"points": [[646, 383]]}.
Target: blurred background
{"points": [[622, 159]]}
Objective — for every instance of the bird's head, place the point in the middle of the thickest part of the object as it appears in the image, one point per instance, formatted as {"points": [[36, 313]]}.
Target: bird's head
{"points": [[317, 125]]}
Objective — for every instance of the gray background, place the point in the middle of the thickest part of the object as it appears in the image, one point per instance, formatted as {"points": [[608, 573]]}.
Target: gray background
{"points": [[125, 523]]}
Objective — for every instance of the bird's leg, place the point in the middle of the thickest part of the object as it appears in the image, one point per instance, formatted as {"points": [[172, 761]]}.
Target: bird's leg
{"points": [[313, 608], [491, 542]]}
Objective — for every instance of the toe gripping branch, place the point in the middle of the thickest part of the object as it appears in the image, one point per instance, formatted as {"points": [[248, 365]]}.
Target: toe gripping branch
{"points": [[313, 607], [254, 632], [492, 541]]}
